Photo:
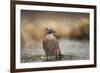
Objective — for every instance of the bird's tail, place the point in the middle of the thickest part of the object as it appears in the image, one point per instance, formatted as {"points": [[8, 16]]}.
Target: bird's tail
{"points": [[60, 55]]}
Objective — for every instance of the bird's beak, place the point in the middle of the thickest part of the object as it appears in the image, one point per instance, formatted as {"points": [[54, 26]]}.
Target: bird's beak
{"points": [[54, 31]]}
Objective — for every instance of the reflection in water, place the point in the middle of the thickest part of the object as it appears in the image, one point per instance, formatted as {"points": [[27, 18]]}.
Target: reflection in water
{"points": [[70, 49]]}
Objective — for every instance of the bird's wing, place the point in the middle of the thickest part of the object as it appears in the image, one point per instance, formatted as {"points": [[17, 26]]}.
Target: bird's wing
{"points": [[52, 42], [57, 45], [51, 46]]}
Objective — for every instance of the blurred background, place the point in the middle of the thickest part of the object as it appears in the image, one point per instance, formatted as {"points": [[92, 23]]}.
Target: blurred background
{"points": [[72, 32]]}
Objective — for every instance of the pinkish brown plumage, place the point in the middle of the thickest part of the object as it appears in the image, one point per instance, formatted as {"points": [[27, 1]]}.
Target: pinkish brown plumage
{"points": [[51, 45]]}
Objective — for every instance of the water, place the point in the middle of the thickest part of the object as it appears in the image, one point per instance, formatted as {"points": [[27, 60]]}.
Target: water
{"points": [[70, 49]]}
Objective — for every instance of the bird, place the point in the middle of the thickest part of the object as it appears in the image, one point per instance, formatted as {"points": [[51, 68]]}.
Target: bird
{"points": [[51, 45]]}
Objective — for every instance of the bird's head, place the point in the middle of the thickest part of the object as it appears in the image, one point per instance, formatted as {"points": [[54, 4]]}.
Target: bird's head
{"points": [[49, 30]]}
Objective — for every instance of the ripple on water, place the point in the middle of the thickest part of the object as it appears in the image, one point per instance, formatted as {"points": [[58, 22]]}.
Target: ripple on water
{"points": [[70, 49]]}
